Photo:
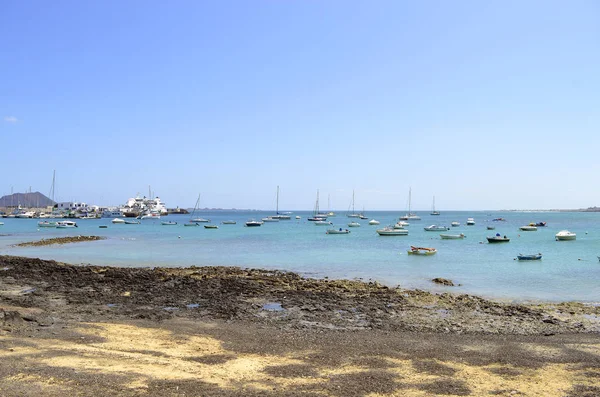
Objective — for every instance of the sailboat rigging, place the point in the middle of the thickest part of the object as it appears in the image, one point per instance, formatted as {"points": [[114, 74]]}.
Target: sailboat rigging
{"points": [[433, 211], [353, 214], [194, 221], [278, 215], [409, 215], [317, 216]]}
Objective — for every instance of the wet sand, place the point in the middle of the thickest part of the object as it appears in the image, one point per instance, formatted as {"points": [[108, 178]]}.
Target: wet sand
{"points": [[222, 331]]}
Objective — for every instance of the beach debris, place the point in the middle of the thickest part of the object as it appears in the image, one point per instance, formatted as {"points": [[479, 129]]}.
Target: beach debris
{"points": [[193, 305], [273, 307]]}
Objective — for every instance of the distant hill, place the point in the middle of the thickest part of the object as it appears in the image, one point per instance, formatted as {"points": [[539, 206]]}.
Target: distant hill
{"points": [[27, 200]]}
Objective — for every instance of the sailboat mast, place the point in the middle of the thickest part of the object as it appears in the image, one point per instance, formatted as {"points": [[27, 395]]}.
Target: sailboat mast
{"points": [[277, 205], [409, 194], [353, 212]]}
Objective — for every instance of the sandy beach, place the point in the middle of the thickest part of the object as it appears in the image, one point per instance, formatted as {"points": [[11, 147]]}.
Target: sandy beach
{"points": [[225, 331]]}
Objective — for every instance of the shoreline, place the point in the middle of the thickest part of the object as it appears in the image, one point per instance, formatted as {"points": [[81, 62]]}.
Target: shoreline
{"points": [[292, 300], [226, 331]]}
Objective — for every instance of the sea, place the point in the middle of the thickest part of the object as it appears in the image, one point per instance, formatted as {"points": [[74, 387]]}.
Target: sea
{"points": [[568, 271]]}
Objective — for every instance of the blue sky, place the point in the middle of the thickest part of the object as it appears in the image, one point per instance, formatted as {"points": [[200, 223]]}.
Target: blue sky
{"points": [[486, 105]]}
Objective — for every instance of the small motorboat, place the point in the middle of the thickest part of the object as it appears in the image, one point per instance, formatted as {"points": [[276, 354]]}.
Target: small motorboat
{"points": [[228, 222], [452, 236], [436, 228], [211, 226], [168, 223], [564, 235], [323, 223], [45, 224], [253, 223], [298, 217], [316, 218], [337, 231], [528, 228], [373, 222], [421, 251], [498, 239], [65, 224], [532, 257], [270, 219], [470, 222], [491, 227], [540, 224], [190, 223], [455, 224], [200, 220], [499, 220], [103, 227], [354, 224], [392, 231], [401, 225], [118, 220], [130, 222]]}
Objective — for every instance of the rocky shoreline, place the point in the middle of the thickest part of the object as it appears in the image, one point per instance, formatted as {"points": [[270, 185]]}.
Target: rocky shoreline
{"points": [[272, 297], [60, 241]]}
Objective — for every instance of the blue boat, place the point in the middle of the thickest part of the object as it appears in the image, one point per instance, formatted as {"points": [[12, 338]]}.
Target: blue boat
{"points": [[532, 257]]}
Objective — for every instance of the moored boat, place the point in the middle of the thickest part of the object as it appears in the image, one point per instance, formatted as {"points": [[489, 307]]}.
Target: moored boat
{"points": [[337, 231], [168, 223], [373, 222], [532, 257], [323, 223], [392, 231], [421, 250], [353, 224], [270, 219], [46, 224], [228, 222], [211, 226], [435, 228], [253, 223], [470, 222], [65, 224], [452, 236], [498, 239], [565, 235], [491, 227], [131, 222], [118, 220], [528, 228], [455, 224]]}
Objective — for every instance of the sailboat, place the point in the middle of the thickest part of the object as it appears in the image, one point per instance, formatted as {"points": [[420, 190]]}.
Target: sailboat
{"points": [[409, 215], [330, 212], [433, 211], [353, 214], [194, 221], [278, 215], [317, 216]]}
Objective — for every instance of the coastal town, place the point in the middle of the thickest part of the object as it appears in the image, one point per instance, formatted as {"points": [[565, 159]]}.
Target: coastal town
{"points": [[36, 205]]}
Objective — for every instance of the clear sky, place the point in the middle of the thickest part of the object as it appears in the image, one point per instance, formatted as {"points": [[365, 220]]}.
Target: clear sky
{"points": [[484, 104]]}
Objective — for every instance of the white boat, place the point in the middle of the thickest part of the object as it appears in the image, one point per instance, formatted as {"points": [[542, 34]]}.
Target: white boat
{"points": [[118, 220], [253, 223], [190, 223], [317, 215], [200, 220], [452, 236], [470, 222], [323, 223], [46, 224], [65, 224], [565, 235], [373, 222], [168, 223], [528, 228], [25, 214], [390, 231], [455, 224], [354, 224], [279, 215], [433, 211], [228, 222], [270, 219], [409, 215], [337, 231], [298, 217], [150, 215], [436, 228], [131, 222], [401, 225], [353, 214]]}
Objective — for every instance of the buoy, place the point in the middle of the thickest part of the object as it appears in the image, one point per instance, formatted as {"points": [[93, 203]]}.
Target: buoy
{"points": [[178, 236]]}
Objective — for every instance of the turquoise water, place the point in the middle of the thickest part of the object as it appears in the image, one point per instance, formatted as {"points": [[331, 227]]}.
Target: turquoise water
{"points": [[569, 270]]}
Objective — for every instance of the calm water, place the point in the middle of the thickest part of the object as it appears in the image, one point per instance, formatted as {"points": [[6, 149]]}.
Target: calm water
{"points": [[569, 270]]}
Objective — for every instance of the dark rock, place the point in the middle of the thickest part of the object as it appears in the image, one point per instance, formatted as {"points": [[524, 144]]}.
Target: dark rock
{"points": [[443, 281]]}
